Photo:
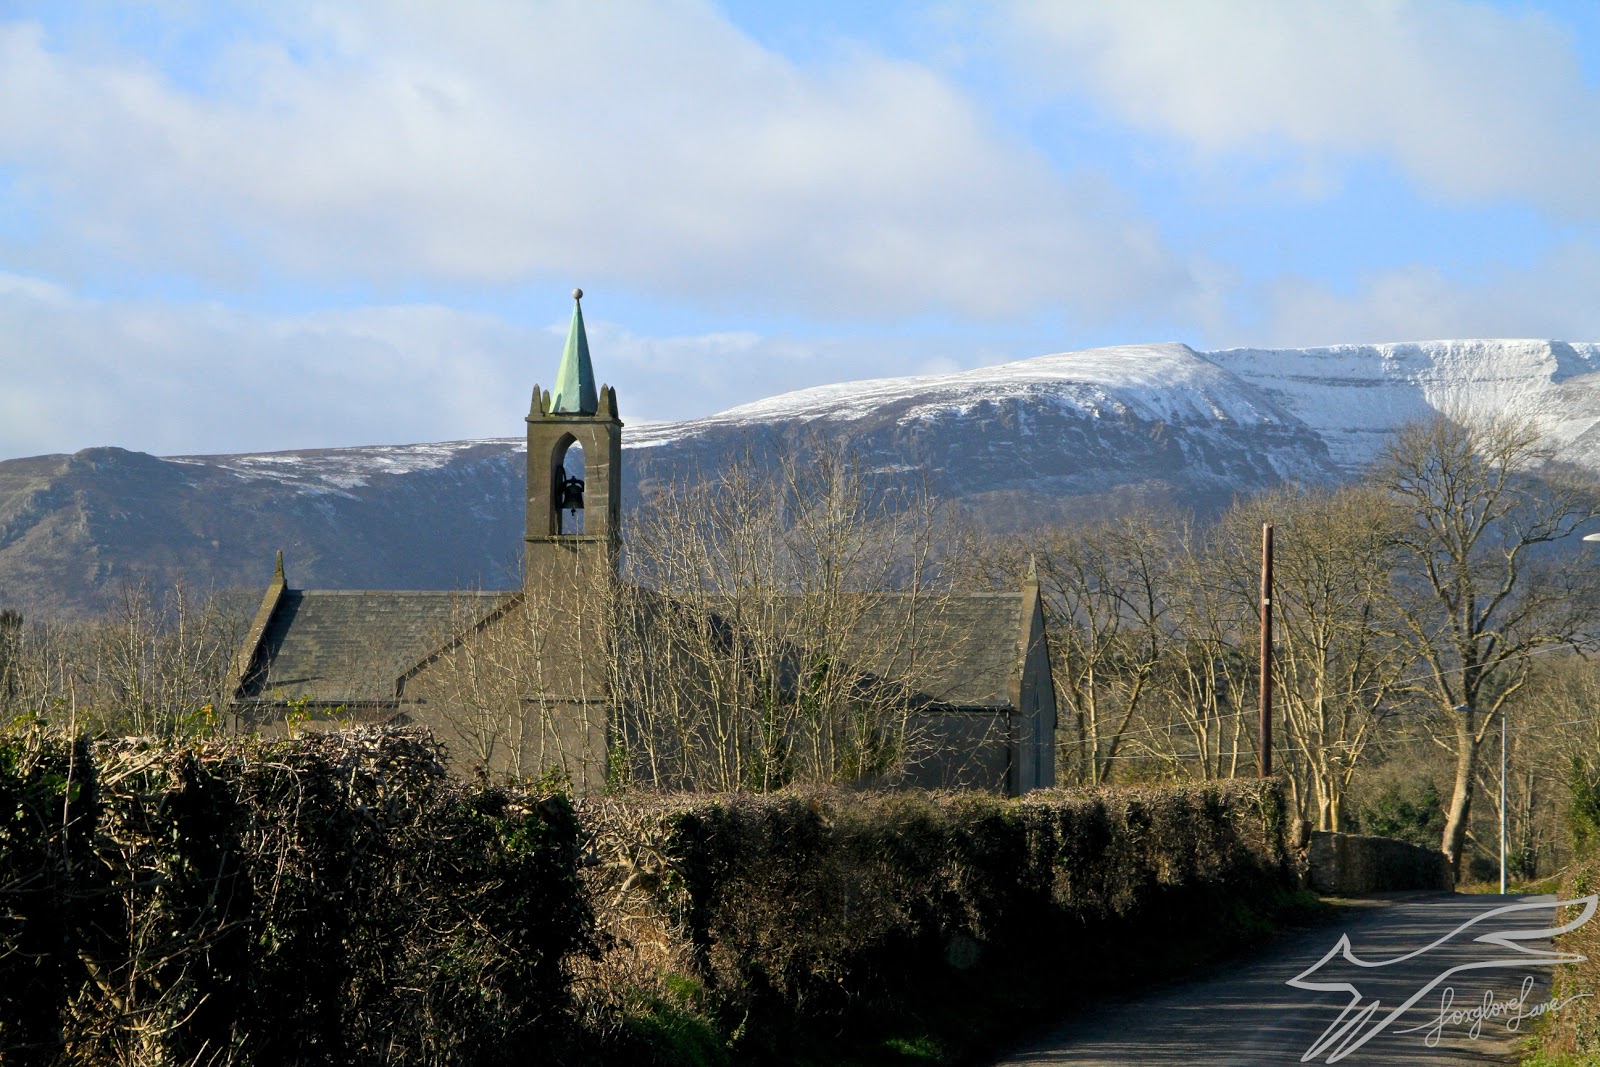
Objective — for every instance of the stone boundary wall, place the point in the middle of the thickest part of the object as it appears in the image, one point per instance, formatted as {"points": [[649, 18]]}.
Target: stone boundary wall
{"points": [[1350, 865]]}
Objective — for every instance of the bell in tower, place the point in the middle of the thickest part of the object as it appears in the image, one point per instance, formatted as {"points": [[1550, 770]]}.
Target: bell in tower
{"points": [[569, 493]]}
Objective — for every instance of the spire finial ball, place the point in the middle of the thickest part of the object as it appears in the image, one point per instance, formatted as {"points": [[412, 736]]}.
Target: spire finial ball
{"points": [[577, 294]]}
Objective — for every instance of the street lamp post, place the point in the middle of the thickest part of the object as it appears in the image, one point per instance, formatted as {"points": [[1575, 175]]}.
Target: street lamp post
{"points": [[1265, 728]]}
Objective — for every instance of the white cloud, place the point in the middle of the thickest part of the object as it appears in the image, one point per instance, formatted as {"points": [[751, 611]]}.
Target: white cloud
{"points": [[1551, 299], [1470, 101], [420, 148], [650, 145], [172, 379], [197, 378]]}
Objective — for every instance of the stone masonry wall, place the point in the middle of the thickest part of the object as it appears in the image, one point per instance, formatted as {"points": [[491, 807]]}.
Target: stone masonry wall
{"points": [[1350, 865]]}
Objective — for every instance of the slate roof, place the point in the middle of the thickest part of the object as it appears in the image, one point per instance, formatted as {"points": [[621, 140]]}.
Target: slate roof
{"points": [[966, 654], [961, 650], [352, 646]]}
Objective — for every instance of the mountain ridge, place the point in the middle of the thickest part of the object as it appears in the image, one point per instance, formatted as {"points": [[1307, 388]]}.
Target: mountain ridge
{"points": [[1064, 434]]}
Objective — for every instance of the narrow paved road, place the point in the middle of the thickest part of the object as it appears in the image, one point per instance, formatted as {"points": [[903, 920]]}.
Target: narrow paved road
{"points": [[1246, 1013]]}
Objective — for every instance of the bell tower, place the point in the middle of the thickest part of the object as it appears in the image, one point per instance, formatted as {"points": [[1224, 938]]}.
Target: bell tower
{"points": [[573, 512], [570, 556]]}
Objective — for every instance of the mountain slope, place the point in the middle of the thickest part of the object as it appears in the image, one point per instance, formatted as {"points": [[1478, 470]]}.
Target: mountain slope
{"points": [[1072, 433], [1075, 431], [1352, 396]]}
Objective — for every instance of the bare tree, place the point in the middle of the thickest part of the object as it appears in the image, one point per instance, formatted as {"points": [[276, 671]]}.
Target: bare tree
{"points": [[10, 647], [1554, 763], [513, 686], [761, 631], [1206, 679], [152, 666], [1107, 588], [1475, 597], [487, 664], [1336, 664], [769, 618]]}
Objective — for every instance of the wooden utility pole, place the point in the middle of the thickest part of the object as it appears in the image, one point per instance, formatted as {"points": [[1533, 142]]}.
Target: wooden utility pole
{"points": [[1266, 650]]}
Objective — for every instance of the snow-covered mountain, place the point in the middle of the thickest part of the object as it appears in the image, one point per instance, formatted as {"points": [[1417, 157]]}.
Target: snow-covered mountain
{"points": [[1353, 396], [1071, 433], [1078, 430]]}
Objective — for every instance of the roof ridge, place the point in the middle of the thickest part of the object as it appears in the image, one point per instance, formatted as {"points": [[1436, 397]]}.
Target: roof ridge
{"points": [[406, 592]]}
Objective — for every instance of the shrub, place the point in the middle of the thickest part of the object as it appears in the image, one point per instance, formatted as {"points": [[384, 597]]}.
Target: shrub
{"points": [[1583, 815], [334, 898], [1574, 1031], [1409, 811]]}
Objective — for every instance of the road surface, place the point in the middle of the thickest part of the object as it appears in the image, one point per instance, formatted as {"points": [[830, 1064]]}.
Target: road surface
{"points": [[1246, 1013]]}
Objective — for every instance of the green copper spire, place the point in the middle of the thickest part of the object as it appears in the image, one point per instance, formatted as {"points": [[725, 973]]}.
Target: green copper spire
{"points": [[574, 393]]}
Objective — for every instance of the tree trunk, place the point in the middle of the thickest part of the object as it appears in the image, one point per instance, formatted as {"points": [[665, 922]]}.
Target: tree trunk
{"points": [[1460, 810]]}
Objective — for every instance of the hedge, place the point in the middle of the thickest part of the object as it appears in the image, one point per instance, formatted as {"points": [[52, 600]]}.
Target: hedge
{"points": [[1572, 1034], [334, 899], [776, 918], [339, 899]]}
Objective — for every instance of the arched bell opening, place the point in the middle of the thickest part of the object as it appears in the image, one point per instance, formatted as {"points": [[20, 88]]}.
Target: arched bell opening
{"points": [[566, 497]]}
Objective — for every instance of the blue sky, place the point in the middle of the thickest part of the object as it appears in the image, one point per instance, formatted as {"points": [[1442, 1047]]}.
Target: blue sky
{"points": [[289, 225]]}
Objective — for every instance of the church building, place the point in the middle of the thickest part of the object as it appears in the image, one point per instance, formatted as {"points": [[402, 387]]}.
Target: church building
{"points": [[585, 677]]}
